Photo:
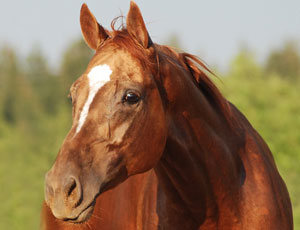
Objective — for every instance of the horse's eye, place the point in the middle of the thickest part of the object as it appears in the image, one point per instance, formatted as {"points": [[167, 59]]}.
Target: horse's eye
{"points": [[131, 98]]}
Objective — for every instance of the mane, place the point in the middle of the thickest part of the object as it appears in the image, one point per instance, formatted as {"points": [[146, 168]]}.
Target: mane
{"points": [[206, 85], [200, 73], [198, 69]]}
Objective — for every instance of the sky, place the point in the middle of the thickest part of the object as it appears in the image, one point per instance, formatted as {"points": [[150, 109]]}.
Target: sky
{"points": [[214, 30]]}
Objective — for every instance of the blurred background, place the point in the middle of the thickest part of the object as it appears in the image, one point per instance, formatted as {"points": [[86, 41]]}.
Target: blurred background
{"points": [[253, 46]]}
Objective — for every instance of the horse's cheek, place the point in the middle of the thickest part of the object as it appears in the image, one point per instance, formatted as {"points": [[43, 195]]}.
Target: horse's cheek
{"points": [[147, 147]]}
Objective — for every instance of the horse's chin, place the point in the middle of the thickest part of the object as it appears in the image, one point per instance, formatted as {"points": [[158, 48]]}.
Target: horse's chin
{"points": [[84, 215]]}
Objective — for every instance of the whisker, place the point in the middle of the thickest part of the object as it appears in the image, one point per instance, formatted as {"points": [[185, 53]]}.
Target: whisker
{"points": [[89, 226], [98, 217]]}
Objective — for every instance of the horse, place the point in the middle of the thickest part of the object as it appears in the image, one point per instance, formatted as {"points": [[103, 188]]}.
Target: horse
{"points": [[155, 145]]}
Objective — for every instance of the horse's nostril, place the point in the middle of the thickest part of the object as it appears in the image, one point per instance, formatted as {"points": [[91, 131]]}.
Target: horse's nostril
{"points": [[72, 187], [72, 191]]}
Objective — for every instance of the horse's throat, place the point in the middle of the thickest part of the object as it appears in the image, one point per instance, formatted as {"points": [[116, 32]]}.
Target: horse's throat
{"points": [[191, 173], [185, 188]]}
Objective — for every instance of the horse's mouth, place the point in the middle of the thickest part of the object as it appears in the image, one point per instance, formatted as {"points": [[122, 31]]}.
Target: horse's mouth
{"points": [[84, 215], [87, 212]]}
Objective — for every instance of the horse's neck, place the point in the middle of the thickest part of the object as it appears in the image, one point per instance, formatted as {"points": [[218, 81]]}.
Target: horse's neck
{"points": [[200, 171]]}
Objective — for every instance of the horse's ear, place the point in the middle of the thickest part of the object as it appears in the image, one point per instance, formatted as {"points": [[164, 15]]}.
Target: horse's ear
{"points": [[136, 26], [93, 33]]}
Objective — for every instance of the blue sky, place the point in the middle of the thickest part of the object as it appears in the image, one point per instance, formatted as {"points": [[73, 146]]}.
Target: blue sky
{"points": [[213, 29]]}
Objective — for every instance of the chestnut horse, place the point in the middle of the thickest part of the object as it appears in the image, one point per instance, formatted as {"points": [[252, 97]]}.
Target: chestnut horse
{"points": [[154, 145]]}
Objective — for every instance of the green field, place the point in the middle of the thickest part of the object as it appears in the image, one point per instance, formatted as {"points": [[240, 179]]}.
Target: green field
{"points": [[35, 115]]}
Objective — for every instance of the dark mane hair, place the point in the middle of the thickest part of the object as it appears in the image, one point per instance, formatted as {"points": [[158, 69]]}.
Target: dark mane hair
{"points": [[193, 64], [206, 85], [199, 72]]}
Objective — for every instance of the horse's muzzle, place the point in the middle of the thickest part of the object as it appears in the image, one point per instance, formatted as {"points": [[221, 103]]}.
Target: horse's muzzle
{"points": [[64, 197]]}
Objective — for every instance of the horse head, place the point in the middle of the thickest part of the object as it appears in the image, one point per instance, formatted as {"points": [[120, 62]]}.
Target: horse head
{"points": [[119, 127]]}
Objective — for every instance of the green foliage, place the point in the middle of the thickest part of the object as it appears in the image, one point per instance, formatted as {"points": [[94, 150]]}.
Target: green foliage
{"points": [[35, 116], [17, 97], [285, 62], [245, 67], [34, 119], [26, 155], [44, 83], [9, 77], [75, 61]]}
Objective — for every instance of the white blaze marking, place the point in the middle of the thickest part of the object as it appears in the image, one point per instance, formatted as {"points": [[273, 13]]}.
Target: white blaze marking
{"points": [[98, 76]]}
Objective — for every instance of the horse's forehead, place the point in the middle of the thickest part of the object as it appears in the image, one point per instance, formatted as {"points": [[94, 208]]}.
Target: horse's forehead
{"points": [[103, 69], [122, 64]]}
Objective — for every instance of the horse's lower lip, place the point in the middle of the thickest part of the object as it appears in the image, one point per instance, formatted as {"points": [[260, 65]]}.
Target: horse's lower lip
{"points": [[83, 216]]}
